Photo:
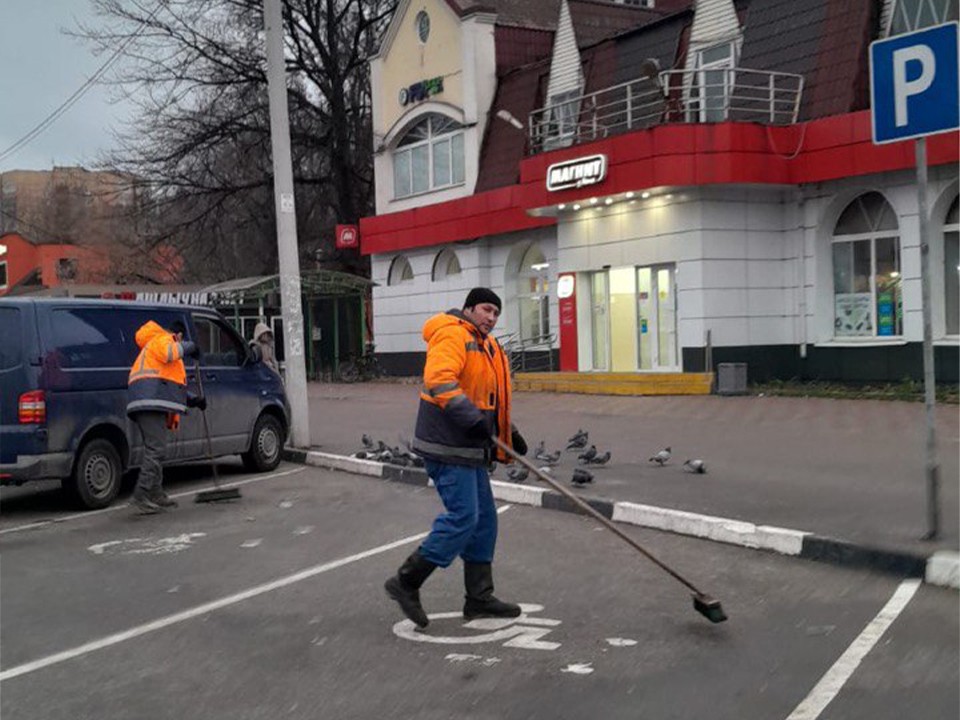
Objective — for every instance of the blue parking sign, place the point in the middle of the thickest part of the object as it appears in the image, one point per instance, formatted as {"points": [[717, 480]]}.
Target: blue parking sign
{"points": [[913, 84]]}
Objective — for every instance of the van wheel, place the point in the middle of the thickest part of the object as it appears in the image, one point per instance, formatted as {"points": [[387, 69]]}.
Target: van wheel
{"points": [[265, 446], [97, 475]]}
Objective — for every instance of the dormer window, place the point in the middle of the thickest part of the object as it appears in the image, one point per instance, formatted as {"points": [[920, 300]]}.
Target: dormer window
{"points": [[564, 109], [910, 15], [428, 157], [713, 82]]}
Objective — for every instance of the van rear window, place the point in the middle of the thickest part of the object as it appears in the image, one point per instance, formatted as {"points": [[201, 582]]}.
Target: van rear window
{"points": [[102, 337], [12, 338]]}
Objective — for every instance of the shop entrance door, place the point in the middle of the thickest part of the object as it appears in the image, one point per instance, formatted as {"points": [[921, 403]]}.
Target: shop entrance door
{"points": [[657, 318]]}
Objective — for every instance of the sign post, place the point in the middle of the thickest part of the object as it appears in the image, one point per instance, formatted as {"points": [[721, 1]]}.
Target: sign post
{"points": [[914, 93]]}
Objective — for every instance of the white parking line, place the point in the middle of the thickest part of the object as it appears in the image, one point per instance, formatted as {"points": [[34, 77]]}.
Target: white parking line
{"points": [[125, 506], [205, 608], [831, 683]]}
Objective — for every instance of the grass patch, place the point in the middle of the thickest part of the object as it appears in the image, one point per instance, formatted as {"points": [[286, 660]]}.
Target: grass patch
{"points": [[906, 390]]}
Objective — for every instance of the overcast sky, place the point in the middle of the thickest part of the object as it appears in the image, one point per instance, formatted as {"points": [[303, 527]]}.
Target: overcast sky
{"points": [[40, 68]]}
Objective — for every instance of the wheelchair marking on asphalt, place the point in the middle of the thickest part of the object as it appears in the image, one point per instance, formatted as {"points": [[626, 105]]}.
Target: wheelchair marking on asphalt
{"points": [[146, 546], [205, 608], [523, 632]]}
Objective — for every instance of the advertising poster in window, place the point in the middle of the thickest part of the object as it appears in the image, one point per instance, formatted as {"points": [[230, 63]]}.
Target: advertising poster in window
{"points": [[885, 314], [852, 313]]}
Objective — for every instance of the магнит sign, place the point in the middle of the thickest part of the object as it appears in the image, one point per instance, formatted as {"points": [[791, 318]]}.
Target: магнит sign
{"points": [[577, 173]]}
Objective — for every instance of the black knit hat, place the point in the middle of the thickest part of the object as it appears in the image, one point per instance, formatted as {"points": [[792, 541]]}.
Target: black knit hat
{"points": [[482, 295]]}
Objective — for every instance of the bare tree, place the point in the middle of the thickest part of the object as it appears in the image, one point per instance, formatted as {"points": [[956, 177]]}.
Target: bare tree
{"points": [[200, 143]]}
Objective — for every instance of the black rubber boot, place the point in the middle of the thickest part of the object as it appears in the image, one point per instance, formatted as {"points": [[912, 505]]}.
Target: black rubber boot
{"points": [[478, 579], [404, 587]]}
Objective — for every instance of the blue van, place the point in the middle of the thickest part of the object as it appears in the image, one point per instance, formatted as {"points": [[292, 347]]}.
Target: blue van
{"points": [[63, 394]]}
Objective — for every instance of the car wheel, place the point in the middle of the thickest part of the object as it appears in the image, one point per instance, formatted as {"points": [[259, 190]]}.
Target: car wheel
{"points": [[96, 475], [265, 445]]}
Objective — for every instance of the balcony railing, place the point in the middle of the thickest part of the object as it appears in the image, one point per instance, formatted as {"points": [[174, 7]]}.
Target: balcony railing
{"points": [[672, 96]]}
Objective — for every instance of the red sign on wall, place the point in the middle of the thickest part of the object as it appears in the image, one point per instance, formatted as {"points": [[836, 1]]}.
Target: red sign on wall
{"points": [[567, 297], [348, 236]]}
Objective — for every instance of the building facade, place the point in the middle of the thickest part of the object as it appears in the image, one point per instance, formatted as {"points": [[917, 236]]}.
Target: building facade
{"points": [[659, 188]]}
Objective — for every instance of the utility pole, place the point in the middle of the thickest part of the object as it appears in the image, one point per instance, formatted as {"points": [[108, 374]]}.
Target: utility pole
{"points": [[290, 293], [931, 462]]}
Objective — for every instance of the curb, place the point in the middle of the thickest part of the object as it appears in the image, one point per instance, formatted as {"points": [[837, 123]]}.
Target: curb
{"points": [[941, 569]]}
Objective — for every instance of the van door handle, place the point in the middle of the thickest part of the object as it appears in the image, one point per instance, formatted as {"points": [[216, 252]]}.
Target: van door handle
{"points": [[211, 376]]}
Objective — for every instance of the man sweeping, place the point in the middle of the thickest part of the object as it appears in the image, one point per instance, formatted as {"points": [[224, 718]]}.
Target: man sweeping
{"points": [[464, 402], [157, 394]]}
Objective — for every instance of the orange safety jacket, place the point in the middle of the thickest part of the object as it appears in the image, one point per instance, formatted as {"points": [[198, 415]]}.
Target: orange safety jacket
{"points": [[157, 380], [466, 393]]}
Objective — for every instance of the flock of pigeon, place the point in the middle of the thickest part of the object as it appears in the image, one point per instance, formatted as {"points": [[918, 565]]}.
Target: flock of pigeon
{"points": [[394, 454], [590, 456]]}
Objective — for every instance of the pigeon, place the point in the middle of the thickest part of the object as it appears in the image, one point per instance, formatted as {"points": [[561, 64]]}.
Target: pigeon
{"points": [[661, 457], [518, 475], [550, 458], [540, 449], [695, 466], [581, 476], [367, 441], [589, 454], [599, 459], [578, 441]]}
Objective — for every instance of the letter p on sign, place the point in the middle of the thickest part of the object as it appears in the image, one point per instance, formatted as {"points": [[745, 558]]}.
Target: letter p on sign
{"points": [[913, 84]]}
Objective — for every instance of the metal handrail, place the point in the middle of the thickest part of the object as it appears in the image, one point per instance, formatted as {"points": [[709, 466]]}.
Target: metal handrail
{"points": [[702, 96]]}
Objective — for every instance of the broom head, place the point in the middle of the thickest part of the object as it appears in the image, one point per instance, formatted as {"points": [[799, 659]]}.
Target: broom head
{"points": [[709, 607], [217, 495]]}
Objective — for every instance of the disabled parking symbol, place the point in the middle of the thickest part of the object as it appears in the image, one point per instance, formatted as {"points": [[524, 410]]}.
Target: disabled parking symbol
{"points": [[520, 632]]}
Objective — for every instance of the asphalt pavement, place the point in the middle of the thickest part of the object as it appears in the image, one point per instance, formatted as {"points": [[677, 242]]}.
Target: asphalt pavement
{"points": [[272, 607], [846, 469]]}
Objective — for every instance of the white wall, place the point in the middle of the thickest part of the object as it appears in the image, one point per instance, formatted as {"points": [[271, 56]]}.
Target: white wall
{"points": [[821, 206], [399, 311], [733, 249]]}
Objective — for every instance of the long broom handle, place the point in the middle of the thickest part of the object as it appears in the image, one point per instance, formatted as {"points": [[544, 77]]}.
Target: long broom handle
{"points": [[590, 511], [206, 428]]}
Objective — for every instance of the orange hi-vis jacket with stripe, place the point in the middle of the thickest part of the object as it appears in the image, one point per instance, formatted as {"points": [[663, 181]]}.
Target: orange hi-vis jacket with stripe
{"points": [[158, 380], [466, 393]]}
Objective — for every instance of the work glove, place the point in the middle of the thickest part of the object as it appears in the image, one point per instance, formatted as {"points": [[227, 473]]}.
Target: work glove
{"points": [[519, 444], [190, 349], [197, 401]]}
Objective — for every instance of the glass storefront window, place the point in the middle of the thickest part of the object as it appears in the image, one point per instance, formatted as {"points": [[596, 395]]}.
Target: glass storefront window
{"points": [[868, 299], [599, 321], [951, 269], [533, 295]]}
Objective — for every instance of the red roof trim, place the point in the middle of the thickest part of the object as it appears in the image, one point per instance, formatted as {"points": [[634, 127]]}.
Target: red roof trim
{"points": [[668, 155]]}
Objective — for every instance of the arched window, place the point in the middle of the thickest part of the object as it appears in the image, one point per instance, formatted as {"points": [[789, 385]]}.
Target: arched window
{"points": [[951, 268], [533, 294], [429, 156], [909, 15], [867, 288], [400, 271], [445, 265]]}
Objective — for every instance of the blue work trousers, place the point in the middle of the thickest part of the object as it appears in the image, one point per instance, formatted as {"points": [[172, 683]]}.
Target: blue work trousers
{"points": [[468, 528]]}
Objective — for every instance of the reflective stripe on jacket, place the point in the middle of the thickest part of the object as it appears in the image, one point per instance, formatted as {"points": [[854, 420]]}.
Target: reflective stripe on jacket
{"points": [[466, 393], [157, 379]]}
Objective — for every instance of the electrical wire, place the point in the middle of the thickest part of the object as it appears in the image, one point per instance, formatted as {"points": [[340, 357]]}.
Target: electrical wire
{"points": [[78, 93]]}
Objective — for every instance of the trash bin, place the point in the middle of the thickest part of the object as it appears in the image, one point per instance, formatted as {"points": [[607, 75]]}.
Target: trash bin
{"points": [[731, 379]]}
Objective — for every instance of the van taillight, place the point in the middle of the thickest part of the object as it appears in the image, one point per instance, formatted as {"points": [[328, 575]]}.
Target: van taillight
{"points": [[33, 407]]}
